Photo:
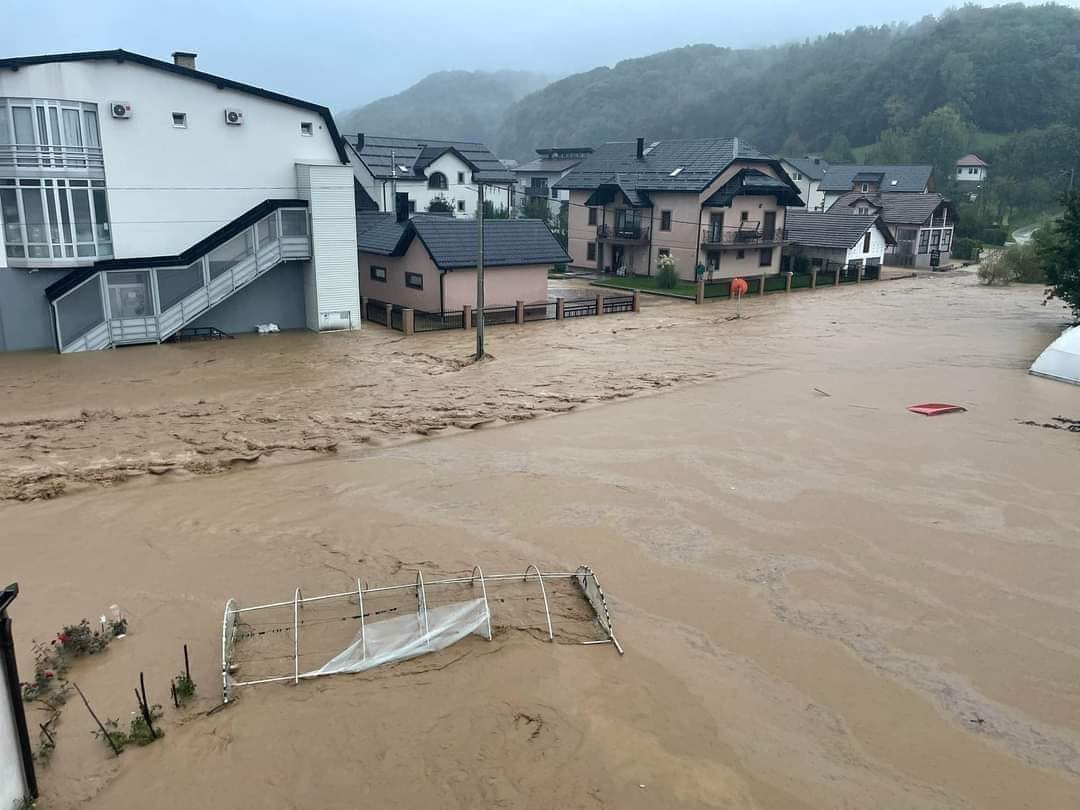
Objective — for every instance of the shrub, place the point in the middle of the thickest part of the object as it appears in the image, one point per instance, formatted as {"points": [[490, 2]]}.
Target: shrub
{"points": [[966, 248], [183, 688], [667, 277], [1015, 263], [995, 235]]}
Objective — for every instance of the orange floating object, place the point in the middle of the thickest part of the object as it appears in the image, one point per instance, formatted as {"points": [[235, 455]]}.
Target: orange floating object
{"points": [[936, 408], [739, 286]]}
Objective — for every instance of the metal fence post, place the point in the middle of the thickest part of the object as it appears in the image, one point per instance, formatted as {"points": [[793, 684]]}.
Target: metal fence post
{"points": [[466, 317], [519, 312], [407, 321], [559, 308], [600, 304], [787, 281]]}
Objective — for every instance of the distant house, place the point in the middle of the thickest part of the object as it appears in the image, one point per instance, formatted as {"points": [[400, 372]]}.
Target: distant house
{"points": [[426, 169], [18, 783], [429, 262], [536, 179], [807, 173], [823, 237], [922, 224], [971, 169], [842, 179], [716, 202]]}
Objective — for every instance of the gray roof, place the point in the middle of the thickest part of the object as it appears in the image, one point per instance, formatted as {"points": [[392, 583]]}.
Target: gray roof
{"points": [[417, 153], [895, 209], [552, 165], [899, 177], [814, 168], [700, 161], [452, 243], [830, 229]]}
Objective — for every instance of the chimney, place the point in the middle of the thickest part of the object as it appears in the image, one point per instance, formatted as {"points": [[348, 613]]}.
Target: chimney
{"points": [[184, 59], [401, 206], [359, 141], [640, 148]]}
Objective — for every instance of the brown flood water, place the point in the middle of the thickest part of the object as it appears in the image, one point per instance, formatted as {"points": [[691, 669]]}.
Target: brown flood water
{"points": [[825, 601]]}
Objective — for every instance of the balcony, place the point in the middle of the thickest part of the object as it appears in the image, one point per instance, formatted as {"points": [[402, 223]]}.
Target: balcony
{"points": [[627, 232], [748, 234], [35, 156]]}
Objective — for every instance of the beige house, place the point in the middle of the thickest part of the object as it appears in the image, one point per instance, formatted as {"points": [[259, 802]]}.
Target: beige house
{"points": [[429, 262], [713, 202]]}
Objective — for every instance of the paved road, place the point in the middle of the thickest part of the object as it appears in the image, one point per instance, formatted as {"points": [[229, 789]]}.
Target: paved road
{"points": [[1023, 235]]}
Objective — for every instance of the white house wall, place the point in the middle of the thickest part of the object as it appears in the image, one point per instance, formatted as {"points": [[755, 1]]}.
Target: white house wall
{"points": [[12, 786], [877, 248], [419, 193], [170, 187], [329, 187]]}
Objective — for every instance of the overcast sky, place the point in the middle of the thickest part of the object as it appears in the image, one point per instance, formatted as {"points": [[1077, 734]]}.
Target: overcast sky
{"points": [[347, 53]]}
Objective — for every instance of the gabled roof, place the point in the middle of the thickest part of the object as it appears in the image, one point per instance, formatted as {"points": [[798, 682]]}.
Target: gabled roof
{"points": [[689, 165], [606, 193], [811, 167], [971, 160], [754, 183], [118, 55], [899, 177], [829, 229], [895, 209], [415, 154], [452, 243], [556, 159]]}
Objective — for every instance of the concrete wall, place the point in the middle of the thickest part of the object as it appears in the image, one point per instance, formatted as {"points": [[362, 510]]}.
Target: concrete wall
{"points": [[276, 297], [25, 314], [12, 782], [169, 187], [393, 290], [503, 286]]}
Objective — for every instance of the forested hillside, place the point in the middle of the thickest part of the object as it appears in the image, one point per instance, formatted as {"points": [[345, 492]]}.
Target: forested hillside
{"points": [[452, 104], [1001, 69]]}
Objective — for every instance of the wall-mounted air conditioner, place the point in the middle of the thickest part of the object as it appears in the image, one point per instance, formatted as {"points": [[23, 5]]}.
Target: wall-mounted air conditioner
{"points": [[120, 109], [234, 117]]}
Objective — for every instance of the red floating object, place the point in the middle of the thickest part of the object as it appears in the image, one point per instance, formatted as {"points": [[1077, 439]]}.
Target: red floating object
{"points": [[936, 408]]}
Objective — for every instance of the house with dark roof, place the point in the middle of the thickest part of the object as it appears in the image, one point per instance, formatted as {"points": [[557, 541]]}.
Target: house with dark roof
{"points": [[841, 179], [141, 197], [807, 173], [427, 170], [922, 224], [972, 169], [822, 238], [428, 262], [714, 202], [536, 179]]}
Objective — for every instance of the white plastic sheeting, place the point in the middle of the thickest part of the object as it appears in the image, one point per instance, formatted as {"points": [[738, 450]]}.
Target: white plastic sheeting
{"points": [[1061, 359], [406, 637]]}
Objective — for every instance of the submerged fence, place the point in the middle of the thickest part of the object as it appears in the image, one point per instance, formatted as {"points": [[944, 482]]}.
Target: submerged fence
{"points": [[827, 274], [410, 320]]}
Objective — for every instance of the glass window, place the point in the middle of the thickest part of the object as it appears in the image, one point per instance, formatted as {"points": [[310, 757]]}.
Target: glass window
{"points": [[5, 134], [461, 205], [80, 310], [84, 223], [924, 241], [230, 254], [414, 280], [129, 294], [24, 125], [592, 216], [65, 217], [437, 180], [93, 137], [179, 120], [266, 231], [294, 223], [54, 124], [306, 129], [43, 127], [935, 240], [665, 220], [54, 221], [72, 128], [946, 239], [378, 273], [37, 235], [176, 285], [590, 252], [9, 208], [765, 257]]}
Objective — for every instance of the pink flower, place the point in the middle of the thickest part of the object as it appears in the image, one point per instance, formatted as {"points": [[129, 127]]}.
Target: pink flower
{"points": [[48, 674]]}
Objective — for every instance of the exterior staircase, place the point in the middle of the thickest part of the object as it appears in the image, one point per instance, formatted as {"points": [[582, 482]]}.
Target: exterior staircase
{"points": [[148, 300]]}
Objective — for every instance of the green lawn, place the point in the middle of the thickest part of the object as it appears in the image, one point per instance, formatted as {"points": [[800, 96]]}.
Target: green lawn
{"points": [[647, 283]]}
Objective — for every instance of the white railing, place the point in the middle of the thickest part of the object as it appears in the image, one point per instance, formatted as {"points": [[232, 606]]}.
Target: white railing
{"points": [[36, 156], [164, 323]]}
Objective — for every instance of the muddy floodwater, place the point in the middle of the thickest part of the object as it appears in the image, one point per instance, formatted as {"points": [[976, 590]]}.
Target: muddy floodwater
{"points": [[825, 601]]}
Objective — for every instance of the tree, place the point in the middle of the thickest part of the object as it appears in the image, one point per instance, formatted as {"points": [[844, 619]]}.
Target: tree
{"points": [[958, 78], [492, 211], [940, 138], [894, 146], [839, 150], [538, 208], [1059, 253], [440, 205]]}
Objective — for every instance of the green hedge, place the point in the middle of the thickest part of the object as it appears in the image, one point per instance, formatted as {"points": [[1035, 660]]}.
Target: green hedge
{"points": [[966, 248]]}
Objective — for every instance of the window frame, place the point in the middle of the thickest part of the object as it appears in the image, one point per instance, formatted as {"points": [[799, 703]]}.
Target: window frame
{"points": [[866, 242], [592, 216], [414, 281], [433, 183], [663, 252], [590, 251], [924, 241], [665, 220], [377, 273], [179, 120], [461, 206], [762, 253], [461, 178], [307, 129]]}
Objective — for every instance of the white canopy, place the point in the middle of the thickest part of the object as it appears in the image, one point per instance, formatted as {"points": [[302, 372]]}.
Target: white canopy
{"points": [[1061, 359]]}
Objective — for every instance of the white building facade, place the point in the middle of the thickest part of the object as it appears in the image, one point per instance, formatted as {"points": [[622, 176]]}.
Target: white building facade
{"points": [[807, 173], [158, 186]]}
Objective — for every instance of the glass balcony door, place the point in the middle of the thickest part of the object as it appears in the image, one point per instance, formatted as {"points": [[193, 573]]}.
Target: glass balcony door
{"points": [[46, 220]]}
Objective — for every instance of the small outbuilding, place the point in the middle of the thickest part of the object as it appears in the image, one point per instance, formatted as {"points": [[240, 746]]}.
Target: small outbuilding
{"points": [[1061, 359], [821, 238], [429, 262]]}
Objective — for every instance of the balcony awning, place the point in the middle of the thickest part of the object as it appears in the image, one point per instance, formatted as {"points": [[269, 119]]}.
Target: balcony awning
{"points": [[753, 183]]}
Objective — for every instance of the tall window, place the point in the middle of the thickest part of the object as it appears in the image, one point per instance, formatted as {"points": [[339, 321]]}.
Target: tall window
{"points": [[924, 240], [866, 242], [437, 180], [592, 216], [48, 219], [765, 257], [44, 133], [590, 252], [665, 220]]}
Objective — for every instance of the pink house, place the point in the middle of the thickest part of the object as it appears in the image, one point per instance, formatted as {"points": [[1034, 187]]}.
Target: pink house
{"points": [[717, 203], [429, 262]]}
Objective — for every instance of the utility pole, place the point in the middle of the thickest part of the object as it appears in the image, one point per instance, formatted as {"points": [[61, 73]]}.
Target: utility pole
{"points": [[480, 272], [393, 179]]}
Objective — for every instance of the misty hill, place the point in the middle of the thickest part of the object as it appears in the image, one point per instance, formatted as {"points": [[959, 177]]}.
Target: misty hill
{"points": [[451, 104], [1006, 68]]}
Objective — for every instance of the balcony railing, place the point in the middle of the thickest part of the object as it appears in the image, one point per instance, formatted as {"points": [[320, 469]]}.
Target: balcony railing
{"points": [[34, 156], [749, 234], [627, 232]]}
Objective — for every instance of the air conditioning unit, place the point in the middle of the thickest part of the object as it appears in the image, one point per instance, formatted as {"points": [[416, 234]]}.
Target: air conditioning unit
{"points": [[120, 109], [234, 117]]}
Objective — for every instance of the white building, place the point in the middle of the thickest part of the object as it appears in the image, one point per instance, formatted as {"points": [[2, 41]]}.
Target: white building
{"points": [[18, 782], [807, 173], [536, 179], [140, 197], [824, 239], [972, 169], [426, 170]]}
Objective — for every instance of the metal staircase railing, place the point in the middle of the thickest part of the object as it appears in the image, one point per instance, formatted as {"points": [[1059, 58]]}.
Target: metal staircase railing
{"points": [[135, 304]]}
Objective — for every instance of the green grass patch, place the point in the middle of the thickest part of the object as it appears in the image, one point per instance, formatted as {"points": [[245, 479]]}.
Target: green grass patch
{"points": [[647, 284]]}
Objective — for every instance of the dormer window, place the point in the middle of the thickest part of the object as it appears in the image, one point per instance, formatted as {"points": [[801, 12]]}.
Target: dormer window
{"points": [[437, 180], [865, 187]]}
